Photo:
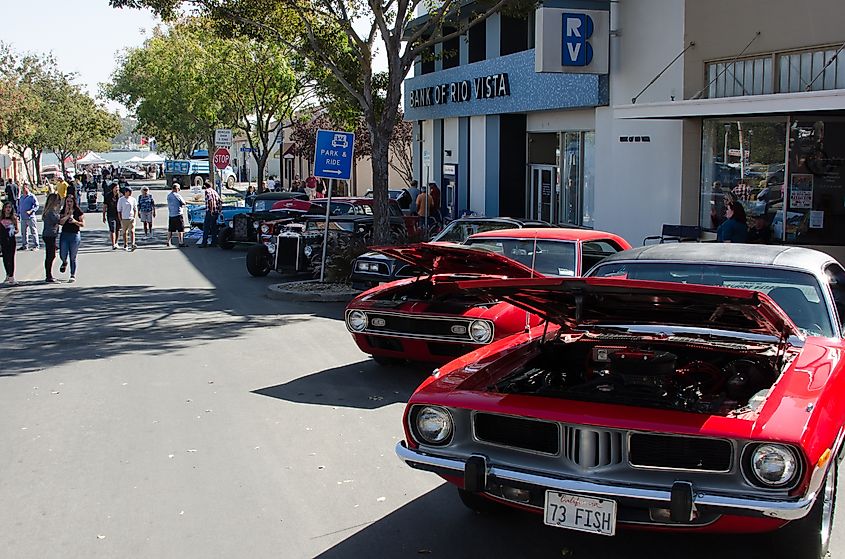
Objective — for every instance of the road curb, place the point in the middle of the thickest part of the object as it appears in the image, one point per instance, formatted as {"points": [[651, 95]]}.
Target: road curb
{"points": [[299, 291]]}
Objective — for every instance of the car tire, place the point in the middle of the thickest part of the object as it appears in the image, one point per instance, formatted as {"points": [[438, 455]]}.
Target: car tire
{"points": [[809, 537], [196, 180], [230, 182], [225, 238], [258, 261], [481, 505]]}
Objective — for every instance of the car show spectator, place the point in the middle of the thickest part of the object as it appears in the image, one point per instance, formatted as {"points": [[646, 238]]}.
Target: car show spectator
{"points": [[175, 222], [127, 207], [311, 186], [146, 210], [9, 227], [760, 232], [434, 192], [249, 197], [27, 208], [12, 192], [424, 203], [213, 206], [735, 228], [72, 220], [110, 214], [414, 191], [50, 219]]}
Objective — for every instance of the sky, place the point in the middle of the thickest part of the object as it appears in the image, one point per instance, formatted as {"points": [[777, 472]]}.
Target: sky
{"points": [[85, 36]]}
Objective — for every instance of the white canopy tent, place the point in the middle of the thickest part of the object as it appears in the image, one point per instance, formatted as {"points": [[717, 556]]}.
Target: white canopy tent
{"points": [[153, 159], [135, 159], [92, 158]]}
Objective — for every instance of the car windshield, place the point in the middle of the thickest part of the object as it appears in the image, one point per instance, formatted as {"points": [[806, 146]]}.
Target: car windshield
{"points": [[797, 293], [264, 205], [345, 208], [551, 258], [458, 231]]}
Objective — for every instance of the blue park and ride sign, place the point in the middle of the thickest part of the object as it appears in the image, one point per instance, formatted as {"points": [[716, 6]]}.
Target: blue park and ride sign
{"points": [[333, 154]]}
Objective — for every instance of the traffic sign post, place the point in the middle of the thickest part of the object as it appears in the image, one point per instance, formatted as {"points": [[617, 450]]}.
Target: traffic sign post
{"points": [[223, 137], [333, 155], [221, 158]]}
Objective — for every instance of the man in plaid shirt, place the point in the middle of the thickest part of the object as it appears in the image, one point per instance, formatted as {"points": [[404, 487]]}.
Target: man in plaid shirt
{"points": [[212, 214]]}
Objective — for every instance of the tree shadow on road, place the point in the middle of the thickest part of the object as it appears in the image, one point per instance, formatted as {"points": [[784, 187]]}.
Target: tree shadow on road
{"points": [[52, 326], [438, 525], [362, 385]]}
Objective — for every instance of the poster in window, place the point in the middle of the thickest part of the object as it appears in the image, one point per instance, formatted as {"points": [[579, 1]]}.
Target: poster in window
{"points": [[816, 220], [801, 192]]}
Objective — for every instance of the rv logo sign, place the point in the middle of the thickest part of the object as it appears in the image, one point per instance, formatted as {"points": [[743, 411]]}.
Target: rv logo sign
{"points": [[577, 50]]}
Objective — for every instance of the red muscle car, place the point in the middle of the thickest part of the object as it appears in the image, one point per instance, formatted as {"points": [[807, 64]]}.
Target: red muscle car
{"points": [[430, 319], [686, 387]]}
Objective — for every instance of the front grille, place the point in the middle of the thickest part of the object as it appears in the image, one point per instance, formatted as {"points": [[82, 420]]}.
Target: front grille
{"points": [[445, 329], [287, 249], [240, 225], [592, 448], [680, 453], [526, 434]]}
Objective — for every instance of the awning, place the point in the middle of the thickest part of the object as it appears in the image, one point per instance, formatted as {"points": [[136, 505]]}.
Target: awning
{"points": [[778, 103]]}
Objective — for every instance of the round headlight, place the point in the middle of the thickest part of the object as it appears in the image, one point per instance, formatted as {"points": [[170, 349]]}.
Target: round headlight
{"points": [[308, 251], [265, 228], [481, 331], [774, 465], [271, 248], [357, 321], [433, 425], [255, 224]]}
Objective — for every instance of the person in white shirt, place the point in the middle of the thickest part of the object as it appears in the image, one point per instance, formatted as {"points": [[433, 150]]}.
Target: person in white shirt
{"points": [[127, 207]]}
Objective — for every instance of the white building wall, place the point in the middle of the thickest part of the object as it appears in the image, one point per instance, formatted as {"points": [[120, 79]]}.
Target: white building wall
{"points": [[478, 163], [638, 184], [450, 140], [561, 121]]}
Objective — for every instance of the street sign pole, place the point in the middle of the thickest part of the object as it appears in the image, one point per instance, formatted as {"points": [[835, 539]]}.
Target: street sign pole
{"points": [[326, 234], [333, 155]]}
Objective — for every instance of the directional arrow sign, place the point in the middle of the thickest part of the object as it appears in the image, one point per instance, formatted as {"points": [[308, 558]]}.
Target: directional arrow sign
{"points": [[333, 154]]}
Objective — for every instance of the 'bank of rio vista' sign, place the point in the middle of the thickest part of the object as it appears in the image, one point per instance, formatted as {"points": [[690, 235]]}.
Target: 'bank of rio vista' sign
{"points": [[487, 87]]}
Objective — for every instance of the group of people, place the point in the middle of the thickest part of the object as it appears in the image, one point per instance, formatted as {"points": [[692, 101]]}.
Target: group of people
{"points": [[734, 227], [421, 201], [311, 186], [62, 221]]}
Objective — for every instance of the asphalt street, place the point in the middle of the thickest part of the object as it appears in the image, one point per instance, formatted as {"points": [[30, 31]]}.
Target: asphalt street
{"points": [[163, 407]]}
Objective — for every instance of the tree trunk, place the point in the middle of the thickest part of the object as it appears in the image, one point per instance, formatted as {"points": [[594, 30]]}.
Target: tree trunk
{"points": [[62, 164], [380, 157], [211, 169], [261, 164]]}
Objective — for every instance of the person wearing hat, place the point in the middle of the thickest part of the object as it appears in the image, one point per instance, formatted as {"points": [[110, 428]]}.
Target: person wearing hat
{"points": [[146, 210]]}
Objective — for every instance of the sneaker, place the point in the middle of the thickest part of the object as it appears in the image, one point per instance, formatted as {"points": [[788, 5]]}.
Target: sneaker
{"points": [[114, 247], [126, 248], [134, 247], [22, 247], [34, 248], [71, 279], [168, 244], [50, 280], [63, 267], [11, 281]]}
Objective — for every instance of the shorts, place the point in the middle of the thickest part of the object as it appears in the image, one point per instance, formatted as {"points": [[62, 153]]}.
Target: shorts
{"points": [[175, 224], [146, 217], [127, 224], [114, 224]]}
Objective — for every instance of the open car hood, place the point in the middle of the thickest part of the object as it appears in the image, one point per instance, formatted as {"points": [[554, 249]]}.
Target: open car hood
{"points": [[578, 303], [444, 258]]}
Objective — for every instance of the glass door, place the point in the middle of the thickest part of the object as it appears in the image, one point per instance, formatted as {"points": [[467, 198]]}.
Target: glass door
{"points": [[545, 193]]}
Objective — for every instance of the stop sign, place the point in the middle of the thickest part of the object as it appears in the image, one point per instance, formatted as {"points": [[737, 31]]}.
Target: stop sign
{"points": [[221, 158]]}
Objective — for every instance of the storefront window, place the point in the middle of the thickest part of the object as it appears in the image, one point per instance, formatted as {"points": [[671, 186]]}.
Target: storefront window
{"points": [[816, 186], [744, 161]]}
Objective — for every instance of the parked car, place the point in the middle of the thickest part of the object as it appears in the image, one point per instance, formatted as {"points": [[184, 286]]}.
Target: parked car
{"points": [[427, 318], [374, 268], [401, 225], [683, 387], [130, 173], [296, 246], [245, 224]]}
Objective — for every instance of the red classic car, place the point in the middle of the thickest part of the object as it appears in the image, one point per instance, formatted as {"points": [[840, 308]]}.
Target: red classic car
{"points": [[428, 318], [687, 387]]}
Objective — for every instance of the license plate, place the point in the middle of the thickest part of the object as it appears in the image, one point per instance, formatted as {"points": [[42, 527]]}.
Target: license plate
{"points": [[576, 512]]}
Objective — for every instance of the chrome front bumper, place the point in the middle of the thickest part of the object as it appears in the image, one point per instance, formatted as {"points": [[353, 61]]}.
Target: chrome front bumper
{"points": [[646, 496]]}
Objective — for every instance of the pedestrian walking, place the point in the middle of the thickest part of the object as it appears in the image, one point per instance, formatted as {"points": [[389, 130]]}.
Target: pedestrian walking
{"points": [[72, 219], [61, 187], [12, 192], [27, 208], [9, 228], [110, 214], [212, 214], [175, 223], [50, 217], [147, 210], [127, 207]]}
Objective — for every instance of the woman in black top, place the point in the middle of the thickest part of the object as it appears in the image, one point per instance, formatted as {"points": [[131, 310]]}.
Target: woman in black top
{"points": [[9, 227], [72, 220], [50, 218]]}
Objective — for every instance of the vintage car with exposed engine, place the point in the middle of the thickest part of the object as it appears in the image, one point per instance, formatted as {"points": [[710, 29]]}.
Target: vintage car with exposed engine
{"points": [[683, 387], [243, 225], [374, 268], [428, 318]]}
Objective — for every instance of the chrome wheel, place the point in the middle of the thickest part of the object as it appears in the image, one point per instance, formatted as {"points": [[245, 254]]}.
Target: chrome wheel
{"points": [[828, 497]]}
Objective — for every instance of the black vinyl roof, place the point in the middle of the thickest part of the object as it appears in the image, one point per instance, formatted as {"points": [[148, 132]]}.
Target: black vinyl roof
{"points": [[732, 253]]}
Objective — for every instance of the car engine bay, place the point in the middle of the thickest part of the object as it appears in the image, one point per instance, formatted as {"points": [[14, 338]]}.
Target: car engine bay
{"points": [[682, 377]]}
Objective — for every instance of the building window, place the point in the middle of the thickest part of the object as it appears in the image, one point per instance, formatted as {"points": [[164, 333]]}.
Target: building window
{"points": [[562, 177], [427, 61], [513, 35], [477, 37], [451, 50], [796, 71]]}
